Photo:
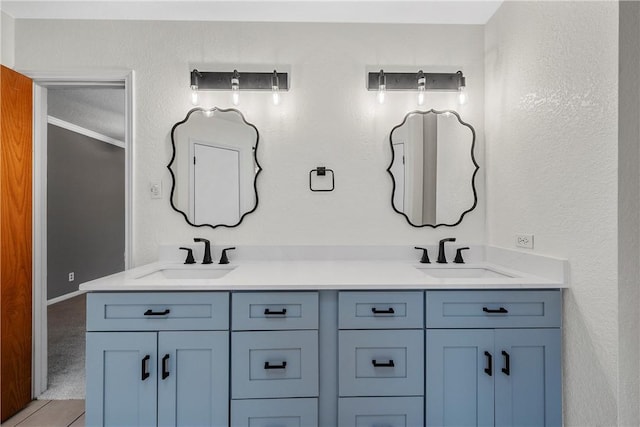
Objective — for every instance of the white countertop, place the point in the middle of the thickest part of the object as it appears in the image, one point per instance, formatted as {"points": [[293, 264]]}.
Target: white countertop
{"points": [[335, 274]]}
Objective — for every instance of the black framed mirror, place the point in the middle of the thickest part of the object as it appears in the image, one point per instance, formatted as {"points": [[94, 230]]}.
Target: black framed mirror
{"points": [[433, 168], [214, 167]]}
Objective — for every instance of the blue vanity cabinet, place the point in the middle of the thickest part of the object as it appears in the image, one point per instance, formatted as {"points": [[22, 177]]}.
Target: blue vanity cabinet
{"points": [[274, 359], [151, 373], [381, 359], [506, 372]]}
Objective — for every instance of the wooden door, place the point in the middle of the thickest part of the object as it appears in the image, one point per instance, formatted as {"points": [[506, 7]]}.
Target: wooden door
{"points": [[15, 233]]}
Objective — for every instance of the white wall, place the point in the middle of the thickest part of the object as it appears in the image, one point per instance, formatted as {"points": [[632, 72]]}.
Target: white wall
{"points": [[552, 159], [629, 214], [327, 119], [7, 33]]}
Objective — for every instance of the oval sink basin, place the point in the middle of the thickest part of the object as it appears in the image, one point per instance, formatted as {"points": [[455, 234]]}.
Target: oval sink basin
{"points": [[189, 272], [463, 273]]}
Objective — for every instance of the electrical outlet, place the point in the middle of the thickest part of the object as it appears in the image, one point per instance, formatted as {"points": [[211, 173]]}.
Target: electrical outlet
{"points": [[155, 190], [72, 276], [524, 241]]}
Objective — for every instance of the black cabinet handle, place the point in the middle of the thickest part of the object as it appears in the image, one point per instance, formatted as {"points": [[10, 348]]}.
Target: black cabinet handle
{"points": [[500, 310], [165, 367], [268, 312], [144, 368], [488, 370], [267, 365], [157, 313], [377, 364], [506, 369], [390, 310]]}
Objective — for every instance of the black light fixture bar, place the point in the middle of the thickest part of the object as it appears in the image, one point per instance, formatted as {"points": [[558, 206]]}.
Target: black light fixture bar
{"points": [[251, 81], [409, 81]]}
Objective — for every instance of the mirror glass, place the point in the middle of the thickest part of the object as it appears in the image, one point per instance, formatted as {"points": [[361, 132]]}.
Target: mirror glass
{"points": [[433, 168], [214, 167]]}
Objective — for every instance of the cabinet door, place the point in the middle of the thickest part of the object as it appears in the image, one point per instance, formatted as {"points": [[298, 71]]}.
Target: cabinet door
{"points": [[459, 377], [121, 379], [528, 377], [193, 378]]}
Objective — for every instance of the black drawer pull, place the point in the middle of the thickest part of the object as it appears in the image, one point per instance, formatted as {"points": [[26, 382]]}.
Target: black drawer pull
{"points": [[506, 369], [165, 367], [144, 371], [489, 369], [390, 310], [157, 313], [377, 364], [500, 310], [267, 365], [268, 312]]}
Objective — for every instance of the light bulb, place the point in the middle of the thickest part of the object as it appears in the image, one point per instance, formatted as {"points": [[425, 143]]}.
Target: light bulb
{"points": [[235, 88], [275, 88], [381, 92], [382, 86], [421, 95], [194, 95], [462, 95], [208, 113], [422, 85]]}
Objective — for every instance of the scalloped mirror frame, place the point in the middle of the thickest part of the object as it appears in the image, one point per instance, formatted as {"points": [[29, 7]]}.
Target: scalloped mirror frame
{"points": [[173, 158], [473, 159]]}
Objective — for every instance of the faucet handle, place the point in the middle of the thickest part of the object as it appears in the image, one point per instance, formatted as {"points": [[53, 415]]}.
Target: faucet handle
{"points": [[223, 257], [459, 259], [425, 255], [189, 259]]}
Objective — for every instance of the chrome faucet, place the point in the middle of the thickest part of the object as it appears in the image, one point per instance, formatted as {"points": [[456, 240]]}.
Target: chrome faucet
{"points": [[442, 259], [207, 250]]}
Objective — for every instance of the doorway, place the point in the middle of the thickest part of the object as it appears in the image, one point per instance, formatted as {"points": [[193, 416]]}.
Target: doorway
{"points": [[92, 152]]}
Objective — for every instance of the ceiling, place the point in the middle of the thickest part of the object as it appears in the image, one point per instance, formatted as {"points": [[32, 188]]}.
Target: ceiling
{"points": [[353, 11]]}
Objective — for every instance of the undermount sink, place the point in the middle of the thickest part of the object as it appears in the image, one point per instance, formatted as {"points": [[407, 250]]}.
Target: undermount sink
{"points": [[463, 272], [189, 272]]}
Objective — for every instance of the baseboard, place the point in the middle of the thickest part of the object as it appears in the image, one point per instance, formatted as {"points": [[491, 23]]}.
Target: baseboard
{"points": [[65, 297]]}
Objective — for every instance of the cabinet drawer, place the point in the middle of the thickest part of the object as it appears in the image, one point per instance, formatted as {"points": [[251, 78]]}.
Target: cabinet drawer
{"points": [[256, 311], [380, 310], [157, 311], [381, 363], [274, 364], [493, 309], [380, 411], [274, 413]]}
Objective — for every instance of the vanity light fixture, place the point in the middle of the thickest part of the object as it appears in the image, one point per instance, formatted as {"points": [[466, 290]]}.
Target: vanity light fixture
{"points": [[463, 97], [274, 82], [235, 87], [422, 85], [422, 82], [382, 86], [275, 88]]}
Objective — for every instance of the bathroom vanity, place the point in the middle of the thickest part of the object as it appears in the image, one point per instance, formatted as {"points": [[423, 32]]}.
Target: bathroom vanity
{"points": [[327, 343]]}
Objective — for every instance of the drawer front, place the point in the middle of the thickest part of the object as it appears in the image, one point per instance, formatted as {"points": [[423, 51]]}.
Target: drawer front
{"points": [[381, 411], [381, 310], [274, 413], [263, 311], [493, 309], [381, 363], [274, 364], [157, 311]]}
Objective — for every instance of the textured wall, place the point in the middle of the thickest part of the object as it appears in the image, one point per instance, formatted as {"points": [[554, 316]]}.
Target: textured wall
{"points": [[85, 210], [551, 131], [629, 214], [328, 118], [7, 32]]}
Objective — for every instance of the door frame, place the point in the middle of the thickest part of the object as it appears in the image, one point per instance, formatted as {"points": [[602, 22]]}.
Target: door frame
{"points": [[41, 81]]}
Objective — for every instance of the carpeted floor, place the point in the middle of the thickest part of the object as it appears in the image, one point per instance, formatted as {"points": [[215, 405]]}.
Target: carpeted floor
{"points": [[66, 340]]}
